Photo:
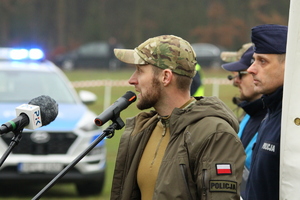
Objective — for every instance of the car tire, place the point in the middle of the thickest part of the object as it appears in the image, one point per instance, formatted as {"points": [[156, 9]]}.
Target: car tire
{"points": [[90, 187], [68, 65]]}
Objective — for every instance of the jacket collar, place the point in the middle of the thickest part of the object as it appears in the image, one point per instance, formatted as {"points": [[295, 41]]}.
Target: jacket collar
{"points": [[254, 107], [273, 101]]}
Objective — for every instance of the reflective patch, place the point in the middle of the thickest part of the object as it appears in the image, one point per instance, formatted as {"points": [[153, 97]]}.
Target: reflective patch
{"points": [[222, 186], [270, 147]]}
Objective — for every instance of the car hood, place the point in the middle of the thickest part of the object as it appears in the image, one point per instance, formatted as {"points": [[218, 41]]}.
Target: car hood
{"points": [[69, 115]]}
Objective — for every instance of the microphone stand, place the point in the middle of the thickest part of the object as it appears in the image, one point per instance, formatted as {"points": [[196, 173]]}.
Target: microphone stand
{"points": [[108, 133], [14, 142]]}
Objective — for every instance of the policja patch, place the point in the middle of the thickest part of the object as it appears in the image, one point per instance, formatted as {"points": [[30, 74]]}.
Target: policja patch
{"points": [[222, 186]]}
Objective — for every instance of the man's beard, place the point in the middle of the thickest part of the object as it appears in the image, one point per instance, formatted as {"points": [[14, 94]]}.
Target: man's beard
{"points": [[151, 96]]}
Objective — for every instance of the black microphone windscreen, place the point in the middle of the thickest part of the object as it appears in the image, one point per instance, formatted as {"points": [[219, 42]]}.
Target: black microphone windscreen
{"points": [[48, 108]]}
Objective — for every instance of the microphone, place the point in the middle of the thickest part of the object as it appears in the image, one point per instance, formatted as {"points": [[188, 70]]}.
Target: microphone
{"points": [[115, 109], [229, 77], [40, 111]]}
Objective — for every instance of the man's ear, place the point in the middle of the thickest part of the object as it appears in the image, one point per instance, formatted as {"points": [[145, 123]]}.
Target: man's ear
{"points": [[167, 76]]}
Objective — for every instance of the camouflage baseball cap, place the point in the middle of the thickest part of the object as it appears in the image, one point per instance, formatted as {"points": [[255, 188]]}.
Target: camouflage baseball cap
{"points": [[233, 56], [165, 52]]}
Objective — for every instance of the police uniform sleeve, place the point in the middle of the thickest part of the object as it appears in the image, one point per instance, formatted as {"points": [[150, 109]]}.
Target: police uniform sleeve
{"points": [[220, 167]]}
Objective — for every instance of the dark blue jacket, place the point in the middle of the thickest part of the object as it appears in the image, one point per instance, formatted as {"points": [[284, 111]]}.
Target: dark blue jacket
{"points": [[263, 181], [255, 113]]}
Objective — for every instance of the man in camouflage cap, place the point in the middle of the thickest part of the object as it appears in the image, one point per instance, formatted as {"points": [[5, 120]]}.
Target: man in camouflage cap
{"points": [[179, 150]]}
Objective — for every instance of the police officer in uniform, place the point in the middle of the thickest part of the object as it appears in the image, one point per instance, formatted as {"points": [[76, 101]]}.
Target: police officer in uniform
{"points": [[268, 77]]}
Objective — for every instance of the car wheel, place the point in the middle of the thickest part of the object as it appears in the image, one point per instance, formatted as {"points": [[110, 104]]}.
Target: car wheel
{"points": [[68, 65], [90, 187]]}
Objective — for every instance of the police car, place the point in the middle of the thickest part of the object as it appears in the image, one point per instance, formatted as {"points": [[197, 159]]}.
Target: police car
{"points": [[42, 153]]}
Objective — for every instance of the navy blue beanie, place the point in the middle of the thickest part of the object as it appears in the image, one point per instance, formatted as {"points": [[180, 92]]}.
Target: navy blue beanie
{"points": [[269, 39]]}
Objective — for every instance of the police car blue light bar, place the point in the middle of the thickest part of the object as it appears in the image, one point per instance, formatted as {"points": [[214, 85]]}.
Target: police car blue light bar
{"points": [[21, 54], [18, 54], [36, 54]]}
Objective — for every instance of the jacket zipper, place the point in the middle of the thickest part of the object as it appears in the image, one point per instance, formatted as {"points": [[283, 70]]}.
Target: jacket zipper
{"points": [[185, 178], [204, 184]]}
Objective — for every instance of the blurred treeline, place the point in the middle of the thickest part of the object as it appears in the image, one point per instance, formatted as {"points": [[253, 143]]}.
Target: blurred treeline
{"points": [[60, 25]]}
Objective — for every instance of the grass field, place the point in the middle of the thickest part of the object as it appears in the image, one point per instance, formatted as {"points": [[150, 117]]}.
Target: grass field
{"points": [[67, 191]]}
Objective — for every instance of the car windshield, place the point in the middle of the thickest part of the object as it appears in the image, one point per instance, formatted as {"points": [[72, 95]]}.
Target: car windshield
{"points": [[22, 86]]}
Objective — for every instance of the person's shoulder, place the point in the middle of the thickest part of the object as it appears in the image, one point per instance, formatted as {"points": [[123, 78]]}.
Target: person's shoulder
{"points": [[212, 107], [212, 102]]}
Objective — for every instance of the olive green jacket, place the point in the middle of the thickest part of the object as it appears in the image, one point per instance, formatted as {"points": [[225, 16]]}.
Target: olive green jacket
{"points": [[203, 160]]}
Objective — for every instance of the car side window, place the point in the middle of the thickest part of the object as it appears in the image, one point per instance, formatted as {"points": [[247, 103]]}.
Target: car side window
{"points": [[97, 50]]}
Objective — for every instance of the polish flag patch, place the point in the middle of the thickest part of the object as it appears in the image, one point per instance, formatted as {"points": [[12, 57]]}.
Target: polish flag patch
{"points": [[223, 169]]}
